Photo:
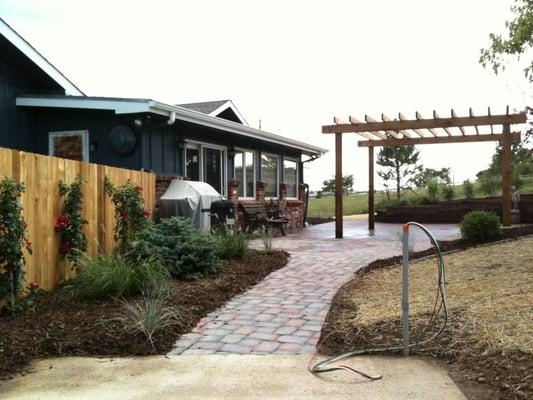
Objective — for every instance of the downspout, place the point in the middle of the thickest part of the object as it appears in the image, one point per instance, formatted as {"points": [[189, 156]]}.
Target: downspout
{"points": [[306, 188], [171, 118]]}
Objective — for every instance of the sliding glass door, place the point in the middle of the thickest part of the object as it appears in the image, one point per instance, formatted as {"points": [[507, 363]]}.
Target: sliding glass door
{"points": [[206, 163]]}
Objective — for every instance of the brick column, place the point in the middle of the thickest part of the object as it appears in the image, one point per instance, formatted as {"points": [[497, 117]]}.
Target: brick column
{"points": [[282, 191], [301, 191], [233, 196], [162, 182], [260, 191]]}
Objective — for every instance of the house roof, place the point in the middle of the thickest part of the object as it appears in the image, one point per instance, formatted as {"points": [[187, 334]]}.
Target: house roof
{"points": [[38, 59], [215, 108], [206, 107], [133, 105]]}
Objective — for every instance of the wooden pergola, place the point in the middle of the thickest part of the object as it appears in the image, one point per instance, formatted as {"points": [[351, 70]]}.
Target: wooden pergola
{"points": [[404, 131]]}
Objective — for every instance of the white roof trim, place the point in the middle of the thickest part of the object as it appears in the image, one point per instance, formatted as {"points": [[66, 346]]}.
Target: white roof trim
{"points": [[129, 106], [225, 106], [18, 41]]}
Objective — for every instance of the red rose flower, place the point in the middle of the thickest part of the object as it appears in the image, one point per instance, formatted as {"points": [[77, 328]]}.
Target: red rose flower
{"points": [[33, 285], [62, 222], [28, 243], [146, 212], [139, 188], [123, 214]]}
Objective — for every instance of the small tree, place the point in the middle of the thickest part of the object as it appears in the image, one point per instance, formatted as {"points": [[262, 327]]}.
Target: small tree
{"points": [[425, 175], [130, 214], [519, 39], [70, 222], [12, 240], [328, 186], [400, 165], [468, 189]]}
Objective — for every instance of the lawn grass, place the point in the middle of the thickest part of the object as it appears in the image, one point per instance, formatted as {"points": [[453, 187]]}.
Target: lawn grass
{"points": [[357, 203]]}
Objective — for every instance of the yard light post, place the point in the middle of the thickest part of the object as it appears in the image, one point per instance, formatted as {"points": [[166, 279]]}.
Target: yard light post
{"points": [[405, 291]]}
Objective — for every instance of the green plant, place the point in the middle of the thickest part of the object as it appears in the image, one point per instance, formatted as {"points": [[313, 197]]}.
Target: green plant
{"points": [[448, 192], [12, 241], [149, 315], [130, 214], [184, 250], [480, 226], [468, 188], [114, 276], [489, 183], [266, 238], [70, 222], [432, 187], [231, 243]]}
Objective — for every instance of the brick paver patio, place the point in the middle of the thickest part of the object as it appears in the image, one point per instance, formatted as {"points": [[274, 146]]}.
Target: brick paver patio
{"points": [[284, 313]]}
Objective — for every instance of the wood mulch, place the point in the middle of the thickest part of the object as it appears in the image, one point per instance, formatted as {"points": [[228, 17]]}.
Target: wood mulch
{"points": [[61, 326]]}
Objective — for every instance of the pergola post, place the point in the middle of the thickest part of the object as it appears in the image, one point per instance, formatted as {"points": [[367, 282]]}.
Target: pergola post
{"points": [[371, 211], [338, 186], [506, 176]]}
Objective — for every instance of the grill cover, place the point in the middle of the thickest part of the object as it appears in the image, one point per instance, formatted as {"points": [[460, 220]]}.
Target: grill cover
{"points": [[190, 199]]}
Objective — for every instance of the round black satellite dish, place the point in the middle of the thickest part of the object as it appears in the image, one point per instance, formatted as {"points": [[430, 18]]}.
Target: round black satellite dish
{"points": [[122, 139]]}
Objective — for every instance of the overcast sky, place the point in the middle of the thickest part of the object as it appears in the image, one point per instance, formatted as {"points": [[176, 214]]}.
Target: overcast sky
{"points": [[292, 64]]}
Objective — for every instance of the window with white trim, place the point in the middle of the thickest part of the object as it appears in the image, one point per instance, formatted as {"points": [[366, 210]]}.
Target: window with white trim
{"points": [[290, 177], [206, 163], [73, 145], [270, 174], [244, 168]]}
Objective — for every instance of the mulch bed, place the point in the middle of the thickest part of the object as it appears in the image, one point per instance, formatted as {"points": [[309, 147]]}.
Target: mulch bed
{"points": [[479, 373], [60, 326]]}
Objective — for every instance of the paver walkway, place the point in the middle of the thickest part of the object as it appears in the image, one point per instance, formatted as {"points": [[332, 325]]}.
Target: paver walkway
{"points": [[284, 313]]}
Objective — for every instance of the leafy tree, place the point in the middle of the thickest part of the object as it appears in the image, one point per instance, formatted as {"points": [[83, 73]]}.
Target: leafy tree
{"points": [[518, 41], [468, 189], [426, 175], [328, 186], [401, 165]]}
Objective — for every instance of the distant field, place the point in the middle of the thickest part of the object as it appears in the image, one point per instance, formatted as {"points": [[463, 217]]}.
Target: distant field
{"points": [[358, 203]]}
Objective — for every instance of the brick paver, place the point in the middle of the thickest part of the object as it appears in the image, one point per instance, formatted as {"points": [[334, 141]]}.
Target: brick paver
{"points": [[284, 313]]}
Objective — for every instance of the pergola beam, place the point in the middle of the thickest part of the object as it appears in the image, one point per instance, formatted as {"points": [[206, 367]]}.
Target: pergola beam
{"points": [[436, 140], [519, 118], [436, 116]]}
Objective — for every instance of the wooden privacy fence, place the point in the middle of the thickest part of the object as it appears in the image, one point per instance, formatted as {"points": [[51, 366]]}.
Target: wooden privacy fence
{"points": [[42, 206]]}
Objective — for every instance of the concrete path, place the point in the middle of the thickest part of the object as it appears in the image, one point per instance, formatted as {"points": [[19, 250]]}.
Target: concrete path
{"points": [[284, 314], [227, 377]]}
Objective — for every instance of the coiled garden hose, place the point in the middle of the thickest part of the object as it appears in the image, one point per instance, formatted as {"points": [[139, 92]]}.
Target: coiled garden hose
{"points": [[327, 365]]}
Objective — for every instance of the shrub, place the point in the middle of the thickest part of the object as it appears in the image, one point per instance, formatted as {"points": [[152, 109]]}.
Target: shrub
{"points": [[70, 223], [432, 187], [115, 276], [448, 192], [183, 249], [130, 214], [468, 189], [231, 243], [149, 315], [12, 241], [480, 226]]}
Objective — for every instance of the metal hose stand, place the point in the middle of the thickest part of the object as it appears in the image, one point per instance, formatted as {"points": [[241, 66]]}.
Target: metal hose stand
{"points": [[325, 365]]}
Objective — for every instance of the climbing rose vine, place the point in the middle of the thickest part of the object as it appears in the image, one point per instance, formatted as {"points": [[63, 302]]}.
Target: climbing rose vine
{"points": [[12, 241], [130, 214], [70, 222]]}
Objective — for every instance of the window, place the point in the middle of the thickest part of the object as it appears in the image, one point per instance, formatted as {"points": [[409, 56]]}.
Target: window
{"points": [[245, 173], [206, 163], [270, 174], [73, 145], [290, 177]]}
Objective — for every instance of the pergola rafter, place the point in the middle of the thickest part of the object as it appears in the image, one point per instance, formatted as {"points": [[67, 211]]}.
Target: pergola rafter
{"points": [[404, 131]]}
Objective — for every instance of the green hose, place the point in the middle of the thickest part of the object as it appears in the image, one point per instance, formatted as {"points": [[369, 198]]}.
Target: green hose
{"points": [[326, 365]]}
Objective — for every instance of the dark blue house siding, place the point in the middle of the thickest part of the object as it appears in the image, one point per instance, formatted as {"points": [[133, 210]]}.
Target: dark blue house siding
{"points": [[159, 145], [19, 76]]}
